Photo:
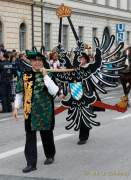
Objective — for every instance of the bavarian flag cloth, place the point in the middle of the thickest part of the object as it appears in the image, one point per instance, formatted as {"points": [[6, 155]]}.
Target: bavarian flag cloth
{"points": [[76, 90]]}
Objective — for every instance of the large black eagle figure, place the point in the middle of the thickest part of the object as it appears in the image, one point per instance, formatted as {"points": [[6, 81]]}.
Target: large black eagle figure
{"points": [[80, 83]]}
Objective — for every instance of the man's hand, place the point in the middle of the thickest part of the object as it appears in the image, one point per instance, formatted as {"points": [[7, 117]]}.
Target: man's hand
{"points": [[43, 71], [61, 97], [15, 113]]}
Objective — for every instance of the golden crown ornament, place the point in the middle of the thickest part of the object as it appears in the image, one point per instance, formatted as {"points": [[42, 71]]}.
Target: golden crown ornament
{"points": [[63, 11]]}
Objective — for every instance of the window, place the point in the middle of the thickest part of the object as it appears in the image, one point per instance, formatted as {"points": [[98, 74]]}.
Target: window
{"points": [[94, 34], [107, 2], [118, 4], [80, 32], [47, 36], [128, 37], [22, 37], [94, 1], [128, 4], [1, 33], [65, 36]]}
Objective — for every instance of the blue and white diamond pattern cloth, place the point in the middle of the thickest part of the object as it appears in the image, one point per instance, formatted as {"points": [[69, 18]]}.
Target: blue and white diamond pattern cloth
{"points": [[76, 90]]}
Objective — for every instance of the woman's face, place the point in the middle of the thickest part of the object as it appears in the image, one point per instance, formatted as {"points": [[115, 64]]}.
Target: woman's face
{"points": [[55, 56]]}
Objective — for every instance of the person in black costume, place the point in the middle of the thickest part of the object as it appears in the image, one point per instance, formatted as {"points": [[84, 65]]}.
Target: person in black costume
{"points": [[84, 131]]}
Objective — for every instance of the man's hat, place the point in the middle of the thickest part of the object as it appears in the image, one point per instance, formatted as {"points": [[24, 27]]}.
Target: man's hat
{"points": [[34, 55]]}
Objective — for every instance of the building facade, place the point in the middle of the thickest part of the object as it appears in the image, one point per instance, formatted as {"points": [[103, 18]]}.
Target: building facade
{"points": [[90, 18], [27, 23], [16, 24]]}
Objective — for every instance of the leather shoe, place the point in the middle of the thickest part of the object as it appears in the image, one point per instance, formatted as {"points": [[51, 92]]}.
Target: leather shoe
{"points": [[80, 142], [29, 169], [49, 161]]}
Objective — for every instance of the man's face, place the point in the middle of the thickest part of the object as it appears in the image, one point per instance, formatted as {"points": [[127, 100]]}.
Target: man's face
{"points": [[83, 61], [37, 64]]}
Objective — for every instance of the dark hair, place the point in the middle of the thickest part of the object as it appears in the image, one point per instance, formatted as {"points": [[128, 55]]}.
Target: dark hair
{"points": [[21, 55], [1, 45], [6, 55], [51, 55], [11, 57], [14, 50]]}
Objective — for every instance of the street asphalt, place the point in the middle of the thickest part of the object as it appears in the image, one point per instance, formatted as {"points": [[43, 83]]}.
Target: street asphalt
{"points": [[106, 155]]}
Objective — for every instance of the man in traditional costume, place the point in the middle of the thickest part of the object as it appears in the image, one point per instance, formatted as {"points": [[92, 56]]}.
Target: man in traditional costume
{"points": [[38, 91]]}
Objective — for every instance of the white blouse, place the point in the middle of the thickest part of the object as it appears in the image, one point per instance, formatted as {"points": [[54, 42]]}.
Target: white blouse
{"points": [[49, 83]]}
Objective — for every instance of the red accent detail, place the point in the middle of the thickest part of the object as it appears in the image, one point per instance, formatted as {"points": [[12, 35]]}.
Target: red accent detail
{"points": [[60, 109], [96, 104], [108, 106]]}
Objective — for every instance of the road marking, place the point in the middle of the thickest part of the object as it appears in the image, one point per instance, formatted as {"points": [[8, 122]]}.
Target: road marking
{"points": [[5, 119], [110, 97], [114, 92], [123, 117], [9, 118], [21, 149]]}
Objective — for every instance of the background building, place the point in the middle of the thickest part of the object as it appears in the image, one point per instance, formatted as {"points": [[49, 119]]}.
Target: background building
{"points": [[15, 24], [24, 23], [90, 17]]}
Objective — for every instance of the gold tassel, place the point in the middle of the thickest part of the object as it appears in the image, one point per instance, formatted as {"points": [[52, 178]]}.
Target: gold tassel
{"points": [[123, 102]]}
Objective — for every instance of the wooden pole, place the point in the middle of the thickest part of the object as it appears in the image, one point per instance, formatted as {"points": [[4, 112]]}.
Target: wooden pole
{"points": [[60, 70]]}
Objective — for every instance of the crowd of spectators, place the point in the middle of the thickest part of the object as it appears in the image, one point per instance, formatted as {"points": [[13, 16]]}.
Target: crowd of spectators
{"points": [[10, 69], [12, 65]]}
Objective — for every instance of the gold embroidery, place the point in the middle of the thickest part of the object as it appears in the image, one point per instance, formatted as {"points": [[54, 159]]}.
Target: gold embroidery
{"points": [[28, 95]]}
